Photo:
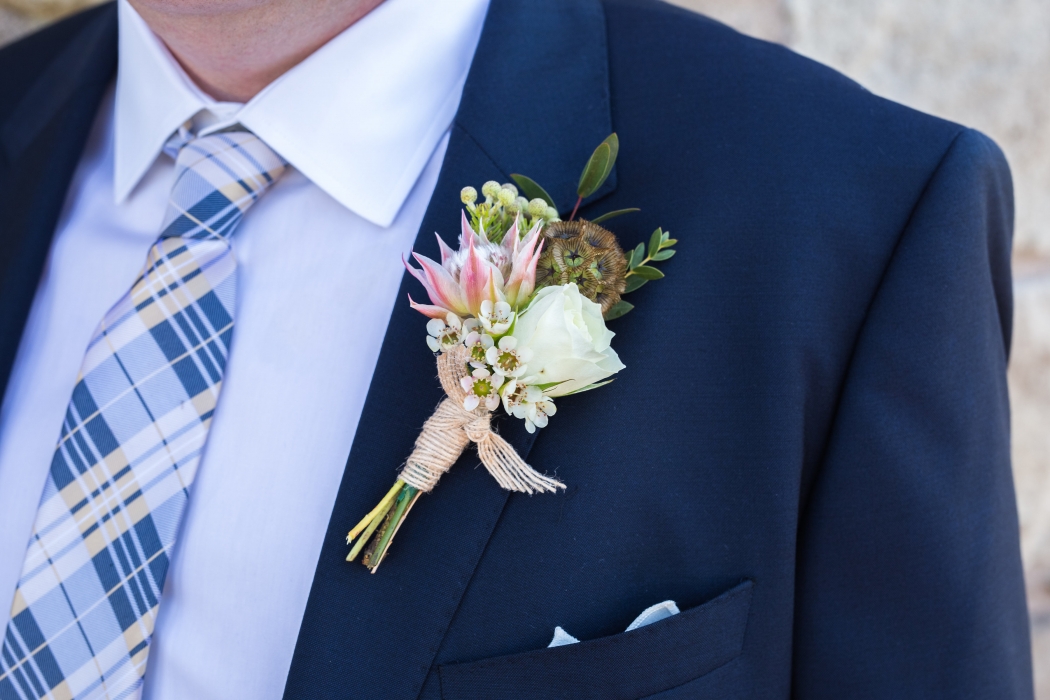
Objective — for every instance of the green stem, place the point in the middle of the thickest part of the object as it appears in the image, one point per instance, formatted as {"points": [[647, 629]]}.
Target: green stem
{"points": [[370, 548], [403, 500], [371, 529], [384, 506], [648, 259]]}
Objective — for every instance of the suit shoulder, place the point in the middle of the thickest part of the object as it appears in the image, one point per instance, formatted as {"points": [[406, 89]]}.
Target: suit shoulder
{"points": [[676, 58], [23, 62]]}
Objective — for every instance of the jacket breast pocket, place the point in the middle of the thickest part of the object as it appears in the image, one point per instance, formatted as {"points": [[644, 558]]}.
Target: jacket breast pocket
{"points": [[627, 666]]}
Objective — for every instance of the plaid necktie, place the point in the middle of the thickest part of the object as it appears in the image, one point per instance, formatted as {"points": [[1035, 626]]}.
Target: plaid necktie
{"points": [[87, 599]]}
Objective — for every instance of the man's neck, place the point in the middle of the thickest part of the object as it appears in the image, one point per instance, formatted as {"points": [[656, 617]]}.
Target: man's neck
{"points": [[234, 48]]}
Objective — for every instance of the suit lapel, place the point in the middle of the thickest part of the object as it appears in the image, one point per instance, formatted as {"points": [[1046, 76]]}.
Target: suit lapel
{"points": [[40, 145], [535, 103]]}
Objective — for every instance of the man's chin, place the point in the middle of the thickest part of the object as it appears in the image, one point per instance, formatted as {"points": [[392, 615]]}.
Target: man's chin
{"points": [[203, 7]]}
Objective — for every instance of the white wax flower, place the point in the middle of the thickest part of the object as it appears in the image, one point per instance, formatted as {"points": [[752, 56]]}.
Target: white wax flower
{"points": [[568, 340]]}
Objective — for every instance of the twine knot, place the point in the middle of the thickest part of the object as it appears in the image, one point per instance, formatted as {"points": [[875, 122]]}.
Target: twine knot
{"points": [[451, 428], [477, 428]]}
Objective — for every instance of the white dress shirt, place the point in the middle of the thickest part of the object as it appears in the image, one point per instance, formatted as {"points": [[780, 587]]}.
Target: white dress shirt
{"points": [[363, 123]]}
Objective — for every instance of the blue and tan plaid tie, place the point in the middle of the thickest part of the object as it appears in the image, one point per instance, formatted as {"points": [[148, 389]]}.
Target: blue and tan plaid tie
{"points": [[87, 599]]}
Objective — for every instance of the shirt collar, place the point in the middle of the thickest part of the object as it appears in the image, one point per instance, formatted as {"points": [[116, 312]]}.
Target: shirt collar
{"points": [[360, 117]]}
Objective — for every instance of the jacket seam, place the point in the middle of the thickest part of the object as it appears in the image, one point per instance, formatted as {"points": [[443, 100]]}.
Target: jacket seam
{"points": [[820, 463]]}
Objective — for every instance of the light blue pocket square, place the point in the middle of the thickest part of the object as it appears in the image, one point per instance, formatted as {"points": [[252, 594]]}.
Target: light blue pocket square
{"points": [[652, 614]]}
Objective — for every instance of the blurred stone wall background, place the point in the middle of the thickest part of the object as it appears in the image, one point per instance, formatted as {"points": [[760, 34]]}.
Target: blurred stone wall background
{"points": [[983, 63]]}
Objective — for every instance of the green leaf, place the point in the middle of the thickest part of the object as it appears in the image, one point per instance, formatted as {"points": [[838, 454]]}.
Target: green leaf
{"points": [[668, 242], [588, 387], [654, 242], [599, 166], [634, 282], [664, 255], [608, 215], [617, 310], [550, 385], [530, 190], [637, 256], [649, 273]]}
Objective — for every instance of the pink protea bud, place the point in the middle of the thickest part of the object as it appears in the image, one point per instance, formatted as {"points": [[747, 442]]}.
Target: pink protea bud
{"points": [[441, 287], [469, 276], [446, 253], [477, 280], [522, 280]]}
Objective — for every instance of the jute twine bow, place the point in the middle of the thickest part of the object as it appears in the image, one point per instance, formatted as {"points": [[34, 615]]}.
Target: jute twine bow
{"points": [[448, 432]]}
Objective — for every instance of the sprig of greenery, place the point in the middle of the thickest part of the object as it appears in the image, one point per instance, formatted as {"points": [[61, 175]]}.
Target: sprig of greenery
{"points": [[597, 170], [639, 269]]}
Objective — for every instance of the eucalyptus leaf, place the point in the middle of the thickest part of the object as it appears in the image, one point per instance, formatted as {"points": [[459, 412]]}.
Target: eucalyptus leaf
{"points": [[649, 273], [608, 215], [664, 255], [617, 310], [637, 256], [654, 242], [634, 282], [531, 190], [598, 166], [668, 242]]}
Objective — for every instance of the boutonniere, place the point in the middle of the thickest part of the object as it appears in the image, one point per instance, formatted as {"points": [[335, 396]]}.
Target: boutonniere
{"points": [[517, 320]]}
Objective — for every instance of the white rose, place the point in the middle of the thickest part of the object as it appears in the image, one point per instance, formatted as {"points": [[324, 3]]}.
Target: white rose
{"points": [[569, 341]]}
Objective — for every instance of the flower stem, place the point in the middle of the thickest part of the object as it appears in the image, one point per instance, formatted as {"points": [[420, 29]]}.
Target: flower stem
{"points": [[370, 548], [388, 532], [368, 532], [575, 208], [377, 512], [648, 259]]}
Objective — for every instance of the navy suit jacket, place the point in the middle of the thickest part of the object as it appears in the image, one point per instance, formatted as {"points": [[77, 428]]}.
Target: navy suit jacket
{"points": [[808, 450]]}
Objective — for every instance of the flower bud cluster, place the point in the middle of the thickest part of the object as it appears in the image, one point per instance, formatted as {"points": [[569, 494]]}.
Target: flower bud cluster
{"points": [[501, 204]]}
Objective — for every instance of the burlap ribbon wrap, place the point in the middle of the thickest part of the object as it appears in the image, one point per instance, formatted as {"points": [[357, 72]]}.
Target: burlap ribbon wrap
{"points": [[448, 432]]}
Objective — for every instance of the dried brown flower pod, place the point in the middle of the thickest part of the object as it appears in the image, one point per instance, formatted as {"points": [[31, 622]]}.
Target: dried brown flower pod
{"points": [[585, 254]]}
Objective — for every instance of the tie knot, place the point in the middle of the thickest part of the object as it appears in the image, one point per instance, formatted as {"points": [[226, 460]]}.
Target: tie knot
{"points": [[217, 177]]}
